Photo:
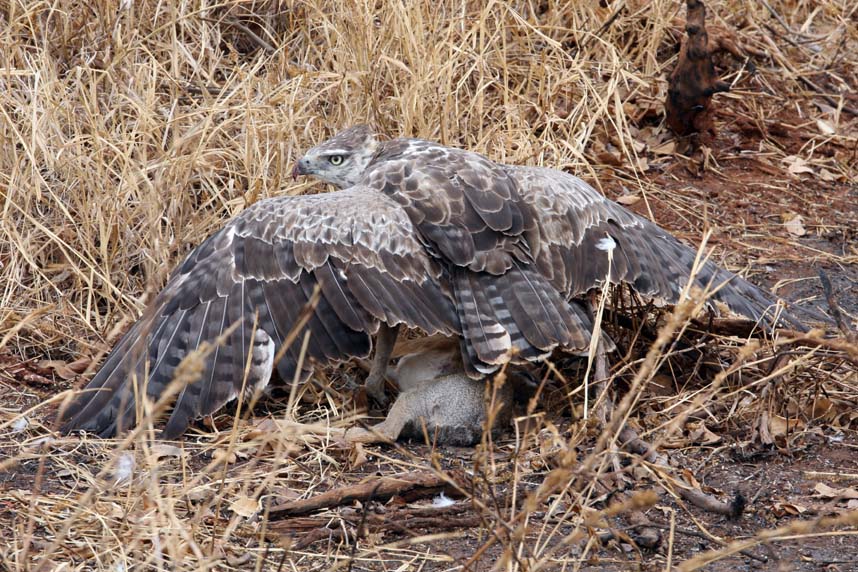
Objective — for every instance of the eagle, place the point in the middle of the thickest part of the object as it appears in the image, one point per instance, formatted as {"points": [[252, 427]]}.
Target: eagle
{"points": [[418, 236]]}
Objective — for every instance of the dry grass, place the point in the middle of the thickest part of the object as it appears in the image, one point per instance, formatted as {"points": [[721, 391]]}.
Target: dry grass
{"points": [[131, 130]]}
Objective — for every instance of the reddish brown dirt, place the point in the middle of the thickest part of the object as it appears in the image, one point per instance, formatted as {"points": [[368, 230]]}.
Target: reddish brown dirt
{"points": [[746, 197]]}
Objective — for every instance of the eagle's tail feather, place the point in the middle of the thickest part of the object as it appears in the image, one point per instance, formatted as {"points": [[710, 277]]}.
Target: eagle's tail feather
{"points": [[514, 316]]}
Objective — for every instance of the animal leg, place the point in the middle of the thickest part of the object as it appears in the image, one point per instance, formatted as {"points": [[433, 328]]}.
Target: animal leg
{"points": [[388, 430], [384, 343]]}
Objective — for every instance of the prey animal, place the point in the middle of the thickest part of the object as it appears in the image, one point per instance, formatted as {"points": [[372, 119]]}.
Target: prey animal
{"points": [[438, 402]]}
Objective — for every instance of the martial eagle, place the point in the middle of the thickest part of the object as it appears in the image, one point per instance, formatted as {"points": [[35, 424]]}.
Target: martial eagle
{"points": [[420, 235]]}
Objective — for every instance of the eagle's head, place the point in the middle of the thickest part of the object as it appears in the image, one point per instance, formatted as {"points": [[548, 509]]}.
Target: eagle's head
{"points": [[342, 159]]}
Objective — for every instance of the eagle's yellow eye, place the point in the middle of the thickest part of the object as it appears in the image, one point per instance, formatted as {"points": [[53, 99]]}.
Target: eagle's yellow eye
{"points": [[335, 160]]}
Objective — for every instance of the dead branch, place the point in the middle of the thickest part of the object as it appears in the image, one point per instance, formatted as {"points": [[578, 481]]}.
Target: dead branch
{"points": [[330, 534], [698, 498], [743, 328], [410, 485], [814, 340], [739, 327], [402, 521]]}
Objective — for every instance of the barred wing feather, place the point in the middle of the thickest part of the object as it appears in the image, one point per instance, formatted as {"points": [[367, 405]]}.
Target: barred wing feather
{"points": [[255, 275]]}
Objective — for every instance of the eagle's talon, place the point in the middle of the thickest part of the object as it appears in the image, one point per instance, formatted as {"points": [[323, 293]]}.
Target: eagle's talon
{"points": [[375, 391]]}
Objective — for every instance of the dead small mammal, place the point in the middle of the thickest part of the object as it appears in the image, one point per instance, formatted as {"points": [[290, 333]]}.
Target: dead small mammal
{"points": [[435, 391]]}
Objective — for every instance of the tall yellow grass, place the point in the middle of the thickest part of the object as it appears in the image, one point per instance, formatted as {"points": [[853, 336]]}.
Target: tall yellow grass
{"points": [[130, 130]]}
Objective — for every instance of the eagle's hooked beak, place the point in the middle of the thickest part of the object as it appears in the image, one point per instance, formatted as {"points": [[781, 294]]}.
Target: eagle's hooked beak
{"points": [[297, 170]]}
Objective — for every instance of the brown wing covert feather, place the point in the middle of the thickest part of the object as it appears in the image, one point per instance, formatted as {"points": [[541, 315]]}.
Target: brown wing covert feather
{"points": [[464, 206]]}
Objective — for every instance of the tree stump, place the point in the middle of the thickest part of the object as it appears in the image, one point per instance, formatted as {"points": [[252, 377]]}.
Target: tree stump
{"points": [[693, 82]]}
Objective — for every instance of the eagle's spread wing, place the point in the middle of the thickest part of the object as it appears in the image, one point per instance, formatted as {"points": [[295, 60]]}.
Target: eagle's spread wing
{"points": [[577, 225], [357, 245], [467, 211]]}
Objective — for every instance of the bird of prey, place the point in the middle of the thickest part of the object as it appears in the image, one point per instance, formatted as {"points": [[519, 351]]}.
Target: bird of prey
{"points": [[419, 235]]}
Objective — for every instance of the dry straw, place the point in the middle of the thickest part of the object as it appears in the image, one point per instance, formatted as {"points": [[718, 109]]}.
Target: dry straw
{"points": [[131, 130]]}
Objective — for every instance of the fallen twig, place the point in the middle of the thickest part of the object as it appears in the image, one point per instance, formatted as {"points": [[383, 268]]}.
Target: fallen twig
{"points": [[412, 485], [698, 498], [403, 521]]}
